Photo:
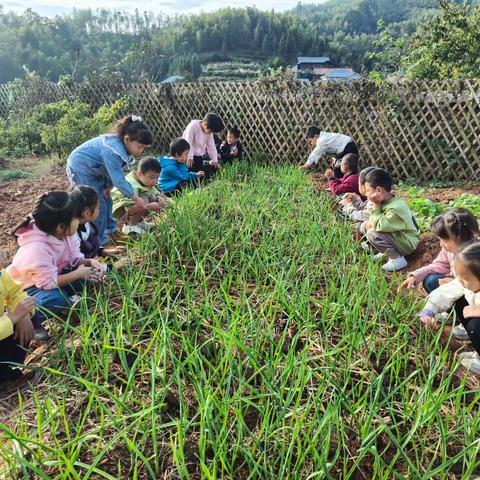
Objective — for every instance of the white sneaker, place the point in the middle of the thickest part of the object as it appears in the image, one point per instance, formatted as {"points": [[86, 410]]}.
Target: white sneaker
{"points": [[395, 264], [128, 229], [460, 333], [75, 298], [366, 247], [471, 361], [379, 256]]}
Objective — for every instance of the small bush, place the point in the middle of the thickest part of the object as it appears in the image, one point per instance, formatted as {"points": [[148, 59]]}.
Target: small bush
{"points": [[7, 175], [56, 127]]}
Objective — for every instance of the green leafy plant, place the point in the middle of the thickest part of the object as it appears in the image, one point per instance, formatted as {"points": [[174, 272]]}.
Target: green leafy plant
{"points": [[7, 175]]}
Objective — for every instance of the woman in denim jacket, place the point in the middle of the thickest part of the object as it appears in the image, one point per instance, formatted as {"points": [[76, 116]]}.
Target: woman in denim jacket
{"points": [[100, 162]]}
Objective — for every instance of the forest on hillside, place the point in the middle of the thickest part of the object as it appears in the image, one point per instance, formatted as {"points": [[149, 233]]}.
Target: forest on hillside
{"points": [[363, 34]]}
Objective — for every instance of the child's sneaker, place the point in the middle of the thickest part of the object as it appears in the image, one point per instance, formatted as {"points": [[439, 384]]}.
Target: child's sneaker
{"points": [[129, 229], [40, 334], [75, 298], [366, 247], [139, 229], [395, 264], [460, 333], [471, 361], [379, 256]]}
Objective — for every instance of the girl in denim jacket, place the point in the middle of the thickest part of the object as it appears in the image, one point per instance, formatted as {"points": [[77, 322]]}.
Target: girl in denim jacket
{"points": [[100, 162]]}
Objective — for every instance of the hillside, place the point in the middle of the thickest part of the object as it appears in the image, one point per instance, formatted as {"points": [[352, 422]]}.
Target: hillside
{"points": [[144, 45]]}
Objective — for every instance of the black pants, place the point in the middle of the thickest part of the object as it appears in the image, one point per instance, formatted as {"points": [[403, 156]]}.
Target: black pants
{"points": [[350, 147], [200, 164], [10, 351], [472, 325]]}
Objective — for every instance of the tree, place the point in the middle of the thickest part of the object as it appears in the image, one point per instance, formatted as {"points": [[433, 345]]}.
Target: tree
{"points": [[447, 46]]}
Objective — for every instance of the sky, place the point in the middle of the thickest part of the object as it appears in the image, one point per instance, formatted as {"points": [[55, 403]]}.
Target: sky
{"points": [[58, 7]]}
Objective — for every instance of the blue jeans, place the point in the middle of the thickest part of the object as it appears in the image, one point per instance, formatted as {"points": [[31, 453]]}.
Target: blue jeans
{"points": [[430, 282], [54, 300], [105, 223]]}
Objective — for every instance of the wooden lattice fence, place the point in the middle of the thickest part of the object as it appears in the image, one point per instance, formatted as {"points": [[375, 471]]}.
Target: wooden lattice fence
{"points": [[424, 130]]}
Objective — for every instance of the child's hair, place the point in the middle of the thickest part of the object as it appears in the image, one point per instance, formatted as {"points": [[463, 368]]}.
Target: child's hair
{"points": [[214, 122], [364, 173], [148, 164], [135, 128], [84, 197], [52, 209], [351, 161], [457, 224], [234, 131], [178, 146], [313, 132], [469, 255], [379, 177]]}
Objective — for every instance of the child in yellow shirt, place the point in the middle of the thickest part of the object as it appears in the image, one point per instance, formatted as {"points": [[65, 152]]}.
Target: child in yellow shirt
{"points": [[16, 328]]}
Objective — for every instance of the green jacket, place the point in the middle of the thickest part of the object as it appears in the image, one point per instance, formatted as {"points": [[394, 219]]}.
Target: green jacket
{"points": [[395, 217], [146, 194]]}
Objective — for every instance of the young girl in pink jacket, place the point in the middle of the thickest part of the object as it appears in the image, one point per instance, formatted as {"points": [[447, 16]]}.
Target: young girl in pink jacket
{"points": [[49, 262], [454, 228]]}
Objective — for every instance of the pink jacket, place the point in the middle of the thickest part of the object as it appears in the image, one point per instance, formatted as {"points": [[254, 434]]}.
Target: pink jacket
{"points": [[442, 264], [42, 257], [199, 141]]}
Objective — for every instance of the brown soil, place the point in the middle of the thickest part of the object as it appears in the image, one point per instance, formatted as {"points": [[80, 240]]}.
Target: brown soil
{"points": [[17, 199], [427, 250], [444, 195]]}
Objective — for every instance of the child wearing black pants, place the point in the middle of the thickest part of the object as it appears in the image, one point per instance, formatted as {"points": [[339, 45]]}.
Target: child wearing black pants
{"points": [[464, 292], [16, 327]]}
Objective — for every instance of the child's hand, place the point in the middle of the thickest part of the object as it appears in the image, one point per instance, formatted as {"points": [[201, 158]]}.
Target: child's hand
{"points": [[305, 167], [471, 311], [443, 281], [24, 331], [366, 226], [408, 283], [23, 310], [112, 251], [428, 321], [329, 173], [84, 272], [200, 174], [155, 206], [138, 201], [214, 164], [97, 267]]}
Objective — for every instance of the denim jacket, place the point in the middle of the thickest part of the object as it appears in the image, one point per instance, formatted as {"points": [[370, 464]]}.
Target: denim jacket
{"points": [[101, 158]]}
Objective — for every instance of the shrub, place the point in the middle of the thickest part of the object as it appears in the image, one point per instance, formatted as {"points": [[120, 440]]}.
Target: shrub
{"points": [[56, 127]]}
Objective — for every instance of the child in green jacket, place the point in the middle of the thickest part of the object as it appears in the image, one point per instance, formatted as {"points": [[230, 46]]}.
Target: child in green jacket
{"points": [[144, 183], [391, 228]]}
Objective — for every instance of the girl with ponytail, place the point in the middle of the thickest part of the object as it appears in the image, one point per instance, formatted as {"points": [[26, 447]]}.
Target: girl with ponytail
{"points": [[100, 162], [49, 263]]}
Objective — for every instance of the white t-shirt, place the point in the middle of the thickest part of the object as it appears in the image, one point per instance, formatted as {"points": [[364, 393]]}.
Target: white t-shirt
{"points": [[328, 143]]}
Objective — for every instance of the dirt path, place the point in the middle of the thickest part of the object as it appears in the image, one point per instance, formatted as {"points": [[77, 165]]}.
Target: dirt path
{"points": [[17, 199]]}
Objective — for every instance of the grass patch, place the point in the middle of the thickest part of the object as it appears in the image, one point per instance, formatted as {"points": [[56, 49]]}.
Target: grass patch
{"points": [[8, 175], [253, 339]]}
